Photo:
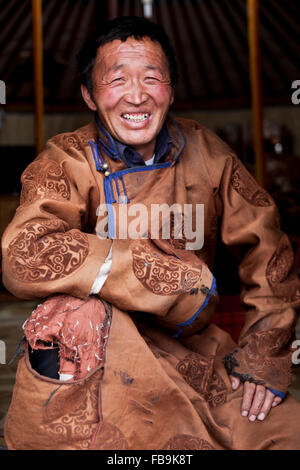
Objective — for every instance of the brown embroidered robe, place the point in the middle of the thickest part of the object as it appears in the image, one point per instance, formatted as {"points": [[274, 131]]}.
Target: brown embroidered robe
{"points": [[162, 295]]}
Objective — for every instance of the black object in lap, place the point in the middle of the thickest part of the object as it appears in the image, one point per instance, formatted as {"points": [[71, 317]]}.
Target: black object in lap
{"points": [[45, 361]]}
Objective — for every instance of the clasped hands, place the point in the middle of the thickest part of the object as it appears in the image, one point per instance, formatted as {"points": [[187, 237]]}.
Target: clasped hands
{"points": [[257, 400]]}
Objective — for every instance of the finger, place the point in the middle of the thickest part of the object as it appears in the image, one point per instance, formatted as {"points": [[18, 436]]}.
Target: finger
{"points": [[266, 406], [235, 382], [258, 400], [276, 401], [249, 390]]}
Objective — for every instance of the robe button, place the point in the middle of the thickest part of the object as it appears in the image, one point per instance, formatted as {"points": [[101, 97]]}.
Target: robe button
{"points": [[105, 166], [107, 173]]}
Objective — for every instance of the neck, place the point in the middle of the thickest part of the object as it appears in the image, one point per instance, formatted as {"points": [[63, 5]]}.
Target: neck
{"points": [[146, 152]]}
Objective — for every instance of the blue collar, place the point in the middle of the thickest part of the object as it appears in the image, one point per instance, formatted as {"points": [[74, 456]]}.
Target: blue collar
{"points": [[132, 158]]}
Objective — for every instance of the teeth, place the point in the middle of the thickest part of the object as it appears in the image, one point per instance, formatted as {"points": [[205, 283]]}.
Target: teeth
{"points": [[136, 117]]}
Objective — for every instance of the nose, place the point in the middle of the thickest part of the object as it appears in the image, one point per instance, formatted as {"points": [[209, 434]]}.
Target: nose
{"points": [[136, 94]]}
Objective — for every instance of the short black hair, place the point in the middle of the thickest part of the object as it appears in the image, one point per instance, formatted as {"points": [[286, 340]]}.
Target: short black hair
{"points": [[123, 28]]}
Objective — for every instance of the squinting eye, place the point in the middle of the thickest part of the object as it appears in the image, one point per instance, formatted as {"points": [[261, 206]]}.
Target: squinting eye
{"points": [[117, 79], [152, 78]]}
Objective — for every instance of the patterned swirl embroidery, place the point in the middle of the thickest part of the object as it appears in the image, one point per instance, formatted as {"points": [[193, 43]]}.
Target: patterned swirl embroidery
{"points": [[110, 437], [75, 140], [187, 442], [70, 418], [197, 372], [87, 133], [44, 179], [160, 273], [217, 391], [266, 358], [284, 284], [247, 187], [43, 251], [271, 341], [270, 370]]}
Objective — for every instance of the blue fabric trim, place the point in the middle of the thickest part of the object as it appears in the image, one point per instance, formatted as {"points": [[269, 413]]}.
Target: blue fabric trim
{"points": [[117, 150], [155, 166], [110, 209], [119, 174], [124, 188], [107, 149], [98, 153], [204, 304], [97, 163], [132, 158], [120, 151], [117, 188], [277, 393], [112, 194], [109, 192], [112, 152]]}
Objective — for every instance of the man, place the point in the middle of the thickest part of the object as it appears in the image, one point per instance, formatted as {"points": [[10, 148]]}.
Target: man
{"points": [[163, 378]]}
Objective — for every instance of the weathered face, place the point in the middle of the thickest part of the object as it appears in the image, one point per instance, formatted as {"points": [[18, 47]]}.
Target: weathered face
{"points": [[131, 91]]}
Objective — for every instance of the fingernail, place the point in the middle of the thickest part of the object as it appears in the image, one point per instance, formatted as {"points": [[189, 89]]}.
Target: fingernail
{"points": [[244, 413], [252, 418], [261, 416]]}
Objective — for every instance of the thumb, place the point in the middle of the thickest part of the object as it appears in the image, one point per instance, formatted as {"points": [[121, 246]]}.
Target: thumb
{"points": [[235, 382]]}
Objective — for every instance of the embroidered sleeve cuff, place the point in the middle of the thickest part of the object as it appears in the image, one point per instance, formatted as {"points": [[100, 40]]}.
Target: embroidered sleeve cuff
{"points": [[277, 393], [273, 373]]}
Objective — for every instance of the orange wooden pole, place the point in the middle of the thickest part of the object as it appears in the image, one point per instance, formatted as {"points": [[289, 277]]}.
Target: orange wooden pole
{"points": [[37, 38], [256, 89]]}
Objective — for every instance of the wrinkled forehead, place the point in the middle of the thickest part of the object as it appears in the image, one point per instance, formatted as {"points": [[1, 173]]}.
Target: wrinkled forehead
{"points": [[144, 52]]}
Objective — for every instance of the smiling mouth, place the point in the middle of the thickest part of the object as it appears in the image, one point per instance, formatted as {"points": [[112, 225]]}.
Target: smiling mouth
{"points": [[140, 117]]}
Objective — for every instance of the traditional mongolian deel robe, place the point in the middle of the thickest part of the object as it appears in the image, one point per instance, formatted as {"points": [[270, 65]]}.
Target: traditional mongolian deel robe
{"points": [[161, 380]]}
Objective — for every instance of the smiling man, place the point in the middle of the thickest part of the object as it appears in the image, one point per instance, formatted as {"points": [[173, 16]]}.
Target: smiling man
{"points": [[132, 92], [122, 354]]}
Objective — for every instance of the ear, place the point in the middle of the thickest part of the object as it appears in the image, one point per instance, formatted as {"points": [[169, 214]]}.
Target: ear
{"points": [[87, 98]]}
